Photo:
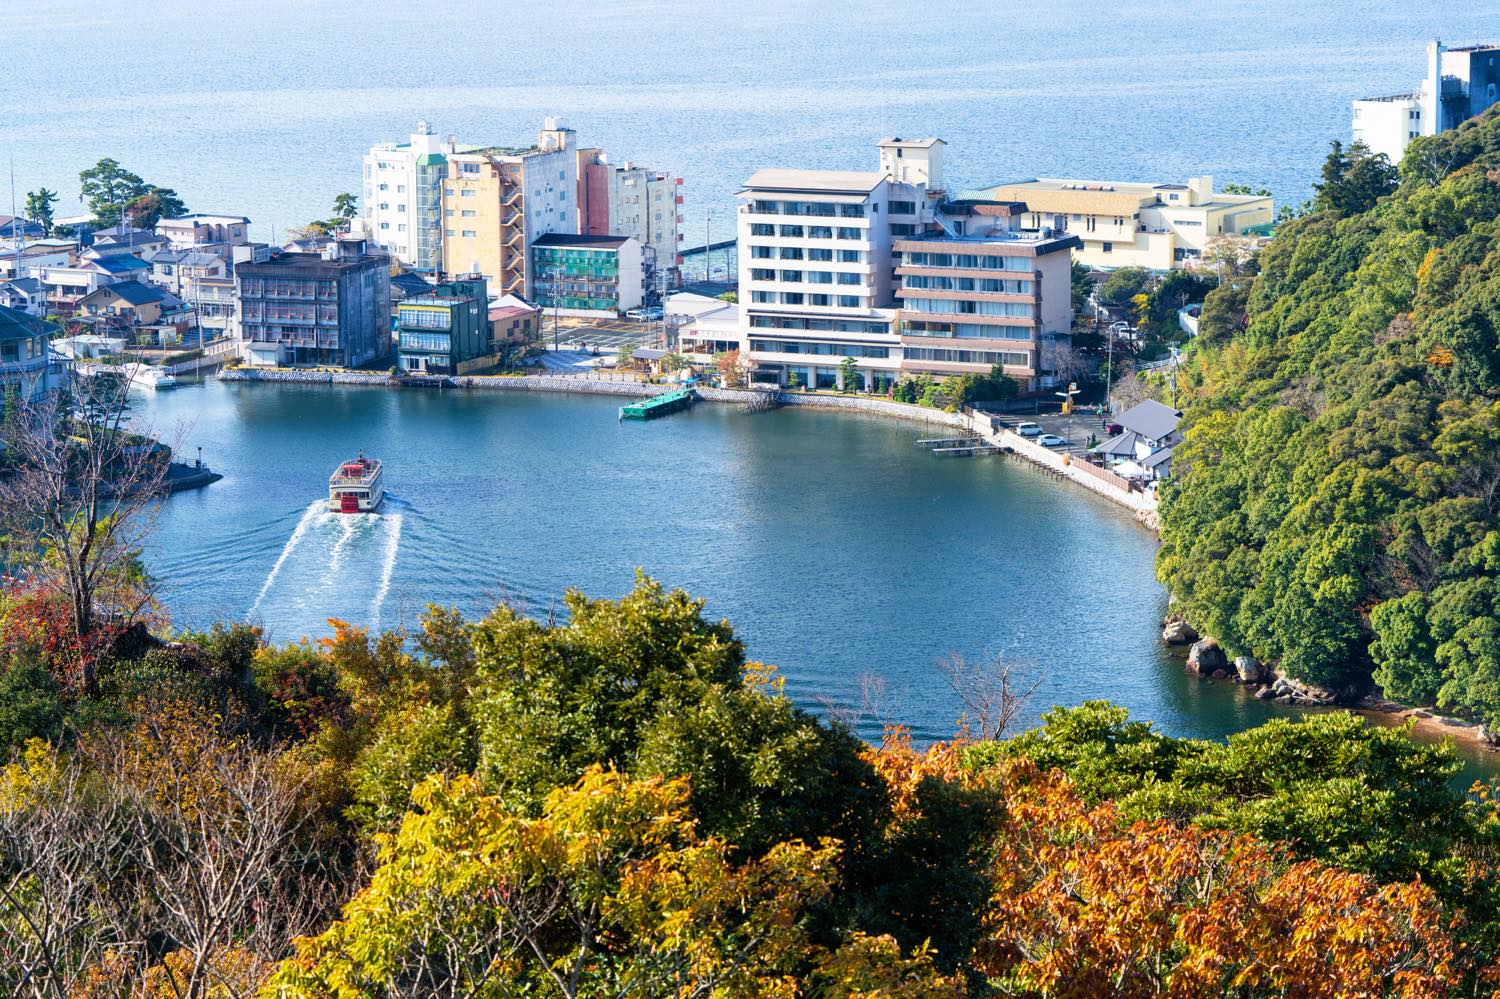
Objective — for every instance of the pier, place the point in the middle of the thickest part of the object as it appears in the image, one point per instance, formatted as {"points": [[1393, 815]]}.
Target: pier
{"points": [[658, 405], [960, 447]]}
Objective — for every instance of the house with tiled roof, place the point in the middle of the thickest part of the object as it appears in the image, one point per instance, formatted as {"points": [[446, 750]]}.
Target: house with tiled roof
{"points": [[24, 359]]}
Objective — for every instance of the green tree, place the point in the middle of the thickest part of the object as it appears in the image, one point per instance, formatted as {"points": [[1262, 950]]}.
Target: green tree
{"points": [[1082, 287], [1259, 192], [38, 208], [850, 378], [1122, 286], [732, 297], [106, 187], [1354, 179], [156, 204], [345, 208]]}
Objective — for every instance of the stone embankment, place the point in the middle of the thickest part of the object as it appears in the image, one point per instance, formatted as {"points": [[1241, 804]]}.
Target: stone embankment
{"points": [[588, 386], [1206, 658]]}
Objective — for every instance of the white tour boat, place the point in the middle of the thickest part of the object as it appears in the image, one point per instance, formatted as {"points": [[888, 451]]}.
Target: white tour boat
{"points": [[356, 486]]}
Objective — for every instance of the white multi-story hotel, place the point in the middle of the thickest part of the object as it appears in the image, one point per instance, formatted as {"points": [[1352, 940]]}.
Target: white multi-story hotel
{"points": [[827, 258], [402, 202], [1460, 83]]}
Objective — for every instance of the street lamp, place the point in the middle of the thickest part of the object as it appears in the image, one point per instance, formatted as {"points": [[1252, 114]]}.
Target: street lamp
{"points": [[1067, 398]]}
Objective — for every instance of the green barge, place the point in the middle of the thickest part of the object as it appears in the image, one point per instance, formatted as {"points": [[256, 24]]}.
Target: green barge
{"points": [[658, 405]]}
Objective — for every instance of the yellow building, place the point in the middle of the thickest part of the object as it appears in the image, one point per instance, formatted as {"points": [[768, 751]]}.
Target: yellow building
{"points": [[1122, 224], [496, 201]]}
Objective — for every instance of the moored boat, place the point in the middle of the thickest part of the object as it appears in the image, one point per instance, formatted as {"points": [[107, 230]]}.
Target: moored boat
{"points": [[356, 486]]}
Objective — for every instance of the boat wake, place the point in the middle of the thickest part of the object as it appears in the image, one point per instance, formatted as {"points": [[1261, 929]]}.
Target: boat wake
{"points": [[387, 569], [333, 565], [308, 516]]}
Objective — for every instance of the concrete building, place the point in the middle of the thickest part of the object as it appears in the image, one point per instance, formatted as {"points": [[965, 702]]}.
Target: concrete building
{"points": [[205, 233], [983, 291], [579, 275], [24, 362], [498, 201], [632, 200], [402, 196], [440, 331], [1126, 224], [332, 308], [817, 274], [1460, 84]]}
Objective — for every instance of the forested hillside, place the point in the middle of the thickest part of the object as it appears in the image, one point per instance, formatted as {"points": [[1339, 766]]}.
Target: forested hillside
{"points": [[1335, 510]]}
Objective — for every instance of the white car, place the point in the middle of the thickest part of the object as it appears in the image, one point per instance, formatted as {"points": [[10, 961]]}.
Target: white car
{"points": [[1028, 429], [1051, 440]]}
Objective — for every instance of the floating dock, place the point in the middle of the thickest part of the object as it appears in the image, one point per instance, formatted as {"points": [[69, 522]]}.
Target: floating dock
{"points": [[658, 405], [960, 447]]}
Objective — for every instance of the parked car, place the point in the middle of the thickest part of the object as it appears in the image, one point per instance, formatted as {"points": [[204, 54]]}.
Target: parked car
{"points": [[1051, 440], [1113, 429], [1028, 429], [646, 313]]}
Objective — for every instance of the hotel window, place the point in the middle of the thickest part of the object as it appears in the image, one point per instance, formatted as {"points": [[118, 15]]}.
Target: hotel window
{"points": [[819, 277], [467, 193], [384, 206], [763, 297], [384, 186], [850, 256], [401, 228], [385, 225], [818, 300], [762, 229], [817, 254], [852, 211], [469, 213], [848, 301], [791, 298], [791, 253], [849, 278], [903, 208], [792, 230], [762, 252], [469, 234], [762, 274], [470, 167], [845, 233], [400, 188], [792, 277], [819, 232]]}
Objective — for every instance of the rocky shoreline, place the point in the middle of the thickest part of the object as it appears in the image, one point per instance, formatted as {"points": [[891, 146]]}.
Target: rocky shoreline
{"points": [[1207, 659]]}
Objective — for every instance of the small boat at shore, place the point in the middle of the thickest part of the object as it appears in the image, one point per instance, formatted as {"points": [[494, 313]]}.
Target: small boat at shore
{"points": [[356, 486], [135, 375]]}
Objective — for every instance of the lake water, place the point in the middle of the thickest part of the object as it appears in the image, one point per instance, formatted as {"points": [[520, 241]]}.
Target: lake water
{"points": [[836, 546], [264, 107]]}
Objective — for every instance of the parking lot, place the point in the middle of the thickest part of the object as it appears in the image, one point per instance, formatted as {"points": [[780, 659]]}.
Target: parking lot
{"points": [[1075, 429], [605, 335]]}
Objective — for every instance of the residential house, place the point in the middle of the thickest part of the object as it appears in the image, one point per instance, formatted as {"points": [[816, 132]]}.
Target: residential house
{"points": [[25, 363], [66, 285], [179, 270], [329, 308], [1144, 449], [205, 233], [16, 227], [124, 239], [498, 201], [1126, 224], [129, 303], [24, 294], [1461, 83], [442, 331], [514, 323], [580, 275], [25, 259]]}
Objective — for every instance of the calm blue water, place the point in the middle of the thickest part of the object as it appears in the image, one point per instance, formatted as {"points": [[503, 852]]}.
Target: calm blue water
{"points": [[264, 107], [836, 547]]}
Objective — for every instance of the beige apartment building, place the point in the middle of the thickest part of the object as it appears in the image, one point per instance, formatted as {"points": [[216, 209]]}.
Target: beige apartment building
{"points": [[496, 201], [1124, 224]]}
